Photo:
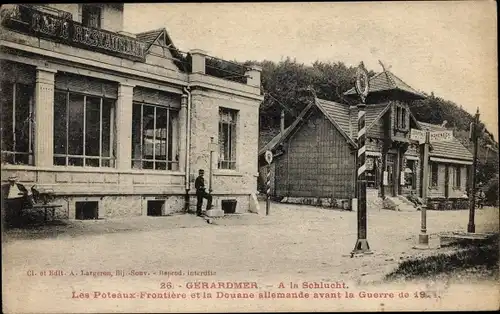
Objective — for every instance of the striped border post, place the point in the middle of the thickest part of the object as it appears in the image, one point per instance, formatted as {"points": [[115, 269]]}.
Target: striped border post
{"points": [[362, 245], [268, 189]]}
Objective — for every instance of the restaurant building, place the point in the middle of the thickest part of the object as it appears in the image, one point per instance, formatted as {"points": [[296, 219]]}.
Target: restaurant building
{"points": [[315, 157], [118, 124]]}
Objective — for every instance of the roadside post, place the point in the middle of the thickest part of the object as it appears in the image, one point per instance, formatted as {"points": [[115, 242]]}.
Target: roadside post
{"points": [[425, 138], [471, 227], [212, 146], [362, 88], [269, 158]]}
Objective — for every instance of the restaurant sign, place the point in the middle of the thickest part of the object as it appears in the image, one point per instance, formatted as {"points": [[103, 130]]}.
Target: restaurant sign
{"points": [[29, 20]]}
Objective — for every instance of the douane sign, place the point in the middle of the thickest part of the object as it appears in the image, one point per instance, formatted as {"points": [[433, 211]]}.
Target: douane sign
{"points": [[441, 136], [29, 20], [434, 136]]}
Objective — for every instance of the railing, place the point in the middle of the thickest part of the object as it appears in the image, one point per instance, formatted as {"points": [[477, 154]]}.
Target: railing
{"points": [[226, 69], [216, 67]]}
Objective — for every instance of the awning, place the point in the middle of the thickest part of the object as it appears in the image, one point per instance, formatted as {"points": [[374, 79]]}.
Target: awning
{"points": [[412, 157], [452, 161], [376, 154]]}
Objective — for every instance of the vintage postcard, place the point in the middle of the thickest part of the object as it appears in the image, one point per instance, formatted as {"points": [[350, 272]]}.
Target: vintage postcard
{"points": [[253, 157]]}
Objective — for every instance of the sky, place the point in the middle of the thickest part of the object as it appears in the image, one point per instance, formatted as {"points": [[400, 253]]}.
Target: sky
{"points": [[449, 48]]}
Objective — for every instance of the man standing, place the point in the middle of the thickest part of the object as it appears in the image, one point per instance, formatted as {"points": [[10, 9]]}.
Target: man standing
{"points": [[199, 184]]}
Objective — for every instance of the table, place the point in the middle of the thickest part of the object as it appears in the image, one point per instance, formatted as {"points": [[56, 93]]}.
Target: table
{"points": [[45, 207]]}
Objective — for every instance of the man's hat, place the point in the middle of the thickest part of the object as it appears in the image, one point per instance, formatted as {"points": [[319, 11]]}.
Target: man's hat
{"points": [[12, 178]]}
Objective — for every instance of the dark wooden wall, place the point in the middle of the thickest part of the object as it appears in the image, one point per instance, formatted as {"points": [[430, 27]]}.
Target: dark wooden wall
{"points": [[318, 162]]}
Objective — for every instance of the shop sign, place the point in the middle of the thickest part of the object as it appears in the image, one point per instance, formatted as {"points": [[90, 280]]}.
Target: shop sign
{"points": [[441, 136], [41, 24], [417, 135]]}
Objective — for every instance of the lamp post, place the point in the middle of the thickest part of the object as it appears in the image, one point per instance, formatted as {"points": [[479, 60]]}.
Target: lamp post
{"points": [[362, 88]]}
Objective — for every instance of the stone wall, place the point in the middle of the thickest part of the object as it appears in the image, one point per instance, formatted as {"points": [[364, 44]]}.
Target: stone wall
{"points": [[205, 124]]}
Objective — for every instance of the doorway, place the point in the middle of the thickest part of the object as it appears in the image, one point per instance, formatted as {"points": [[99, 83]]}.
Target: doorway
{"points": [[391, 171]]}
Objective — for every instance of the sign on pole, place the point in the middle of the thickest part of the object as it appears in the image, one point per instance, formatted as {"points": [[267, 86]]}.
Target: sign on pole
{"points": [[434, 136], [269, 156], [441, 136], [417, 135]]}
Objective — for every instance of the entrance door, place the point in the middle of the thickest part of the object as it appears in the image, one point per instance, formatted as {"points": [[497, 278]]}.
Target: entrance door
{"points": [[390, 174]]}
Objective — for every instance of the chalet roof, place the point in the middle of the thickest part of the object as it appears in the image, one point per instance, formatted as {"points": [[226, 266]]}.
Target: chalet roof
{"points": [[453, 149], [387, 81], [149, 37], [342, 117]]}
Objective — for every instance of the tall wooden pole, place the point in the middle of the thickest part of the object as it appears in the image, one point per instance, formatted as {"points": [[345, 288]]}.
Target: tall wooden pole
{"points": [[423, 237], [471, 227]]}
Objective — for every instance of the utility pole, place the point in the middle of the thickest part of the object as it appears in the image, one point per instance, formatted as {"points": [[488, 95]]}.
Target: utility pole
{"points": [[423, 237], [362, 88], [471, 227]]}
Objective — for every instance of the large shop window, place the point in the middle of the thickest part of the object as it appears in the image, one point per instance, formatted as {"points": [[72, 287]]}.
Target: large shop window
{"points": [[154, 137], [227, 138], [83, 130], [17, 123]]}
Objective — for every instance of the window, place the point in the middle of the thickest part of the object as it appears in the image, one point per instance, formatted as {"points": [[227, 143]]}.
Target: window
{"points": [[154, 137], [17, 123], [91, 16], [83, 130], [434, 174], [456, 176], [227, 138], [400, 118]]}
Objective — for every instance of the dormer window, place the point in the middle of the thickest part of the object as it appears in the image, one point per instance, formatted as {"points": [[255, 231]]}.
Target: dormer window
{"points": [[401, 118], [91, 16]]}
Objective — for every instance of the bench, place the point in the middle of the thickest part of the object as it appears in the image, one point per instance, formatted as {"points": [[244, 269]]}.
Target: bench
{"points": [[41, 201], [46, 207]]}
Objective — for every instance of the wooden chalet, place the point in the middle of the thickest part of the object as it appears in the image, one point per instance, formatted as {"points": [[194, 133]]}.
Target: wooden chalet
{"points": [[315, 157]]}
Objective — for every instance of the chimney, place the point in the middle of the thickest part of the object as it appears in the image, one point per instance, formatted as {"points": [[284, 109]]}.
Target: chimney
{"points": [[282, 122]]}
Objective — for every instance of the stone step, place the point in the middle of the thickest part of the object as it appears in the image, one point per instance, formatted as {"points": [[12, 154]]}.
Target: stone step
{"points": [[397, 204]]}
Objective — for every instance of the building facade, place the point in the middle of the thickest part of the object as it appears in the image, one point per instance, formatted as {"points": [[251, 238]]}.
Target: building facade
{"points": [[118, 124], [315, 157]]}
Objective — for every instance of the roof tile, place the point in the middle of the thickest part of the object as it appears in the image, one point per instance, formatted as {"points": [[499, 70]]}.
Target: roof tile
{"points": [[385, 81]]}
